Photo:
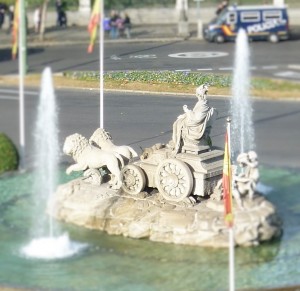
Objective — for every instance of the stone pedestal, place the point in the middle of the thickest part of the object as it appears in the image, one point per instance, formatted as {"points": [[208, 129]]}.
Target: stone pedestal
{"points": [[200, 29], [149, 216]]}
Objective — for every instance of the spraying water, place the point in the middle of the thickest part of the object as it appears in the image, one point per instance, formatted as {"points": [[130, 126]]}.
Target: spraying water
{"points": [[46, 150], [49, 245], [242, 132]]}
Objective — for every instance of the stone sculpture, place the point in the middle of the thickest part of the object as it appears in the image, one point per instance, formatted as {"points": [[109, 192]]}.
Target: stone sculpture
{"points": [[103, 140], [173, 193], [91, 159], [244, 184], [192, 128]]}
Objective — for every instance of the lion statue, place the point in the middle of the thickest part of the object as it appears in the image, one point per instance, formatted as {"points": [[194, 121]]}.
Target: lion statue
{"points": [[104, 141], [89, 158]]}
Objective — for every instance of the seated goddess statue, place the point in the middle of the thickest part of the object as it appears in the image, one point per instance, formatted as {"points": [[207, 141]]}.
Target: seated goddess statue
{"points": [[192, 128]]}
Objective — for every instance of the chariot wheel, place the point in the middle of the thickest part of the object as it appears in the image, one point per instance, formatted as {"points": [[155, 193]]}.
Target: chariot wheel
{"points": [[174, 180], [133, 179]]}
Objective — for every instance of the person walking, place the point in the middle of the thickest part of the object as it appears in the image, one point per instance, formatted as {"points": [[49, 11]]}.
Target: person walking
{"points": [[37, 19], [113, 24], [127, 25], [61, 13], [10, 18], [3, 9]]}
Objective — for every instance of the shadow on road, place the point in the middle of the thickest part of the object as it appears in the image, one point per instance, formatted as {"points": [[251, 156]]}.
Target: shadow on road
{"points": [[5, 54]]}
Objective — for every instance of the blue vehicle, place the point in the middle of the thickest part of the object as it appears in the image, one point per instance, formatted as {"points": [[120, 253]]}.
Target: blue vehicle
{"points": [[264, 22]]}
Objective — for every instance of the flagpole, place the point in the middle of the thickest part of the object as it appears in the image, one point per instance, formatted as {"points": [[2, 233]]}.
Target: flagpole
{"points": [[230, 229], [22, 70], [101, 59]]}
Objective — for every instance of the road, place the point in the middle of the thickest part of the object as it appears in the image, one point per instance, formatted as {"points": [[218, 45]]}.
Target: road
{"points": [[143, 120], [268, 60]]}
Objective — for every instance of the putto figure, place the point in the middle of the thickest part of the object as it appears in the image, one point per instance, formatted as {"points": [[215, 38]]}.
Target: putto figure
{"points": [[191, 130], [245, 183]]}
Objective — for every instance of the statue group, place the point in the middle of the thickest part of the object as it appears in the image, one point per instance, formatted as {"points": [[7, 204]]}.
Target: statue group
{"points": [[170, 192], [186, 167]]}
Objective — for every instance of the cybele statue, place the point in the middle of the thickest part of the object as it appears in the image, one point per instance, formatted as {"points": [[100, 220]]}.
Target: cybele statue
{"points": [[171, 193]]}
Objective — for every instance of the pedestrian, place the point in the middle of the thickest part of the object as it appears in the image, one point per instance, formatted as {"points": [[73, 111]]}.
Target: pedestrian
{"points": [[3, 8], [10, 18], [61, 13], [120, 26], [127, 25], [221, 7], [37, 19], [113, 24]]}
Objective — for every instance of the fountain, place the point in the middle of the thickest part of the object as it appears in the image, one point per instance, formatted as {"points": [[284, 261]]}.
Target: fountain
{"points": [[47, 244], [118, 263], [242, 132]]}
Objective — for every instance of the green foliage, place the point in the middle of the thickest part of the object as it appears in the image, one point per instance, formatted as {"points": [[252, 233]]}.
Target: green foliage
{"points": [[157, 77], [9, 158]]}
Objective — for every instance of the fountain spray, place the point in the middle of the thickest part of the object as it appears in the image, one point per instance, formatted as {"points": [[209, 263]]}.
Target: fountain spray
{"points": [[242, 132], [46, 150], [50, 244]]}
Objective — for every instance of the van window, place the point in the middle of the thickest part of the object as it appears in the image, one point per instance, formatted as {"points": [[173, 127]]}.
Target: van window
{"points": [[231, 18], [272, 14], [221, 17], [250, 16]]}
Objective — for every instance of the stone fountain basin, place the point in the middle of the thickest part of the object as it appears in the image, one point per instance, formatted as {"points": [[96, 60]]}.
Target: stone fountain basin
{"points": [[149, 216]]}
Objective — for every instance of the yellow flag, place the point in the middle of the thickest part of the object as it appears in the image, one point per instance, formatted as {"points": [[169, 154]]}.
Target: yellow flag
{"points": [[15, 30], [93, 25]]}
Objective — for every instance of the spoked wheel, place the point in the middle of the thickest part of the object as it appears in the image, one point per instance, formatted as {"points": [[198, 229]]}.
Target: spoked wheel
{"points": [[133, 179], [174, 180]]}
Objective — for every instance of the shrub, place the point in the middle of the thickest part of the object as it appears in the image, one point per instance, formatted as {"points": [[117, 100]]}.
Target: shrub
{"points": [[9, 157]]}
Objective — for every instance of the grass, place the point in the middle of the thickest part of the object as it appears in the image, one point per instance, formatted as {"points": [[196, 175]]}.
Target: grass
{"points": [[165, 81]]}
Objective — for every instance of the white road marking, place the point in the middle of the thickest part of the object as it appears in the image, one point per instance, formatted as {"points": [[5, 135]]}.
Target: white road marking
{"points": [[226, 69], [198, 55], [295, 67], [205, 69], [143, 57], [3, 97], [288, 74], [16, 92], [186, 70], [269, 67], [114, 57]]}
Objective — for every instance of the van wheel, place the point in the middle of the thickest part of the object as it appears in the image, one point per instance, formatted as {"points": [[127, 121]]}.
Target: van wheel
{"points": [[219, 38], [273, 37]]}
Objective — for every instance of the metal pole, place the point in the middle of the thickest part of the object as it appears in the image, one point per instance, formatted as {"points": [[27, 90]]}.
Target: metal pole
{"points": [[231, 229], [22, 71], [101, 59]]}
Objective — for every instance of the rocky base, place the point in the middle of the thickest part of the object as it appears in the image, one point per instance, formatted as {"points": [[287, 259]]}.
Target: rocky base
{"points": [[149, 216]]}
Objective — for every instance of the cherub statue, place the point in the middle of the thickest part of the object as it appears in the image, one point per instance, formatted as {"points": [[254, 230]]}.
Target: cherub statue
{"points": [[245, 182], [193, 125]]}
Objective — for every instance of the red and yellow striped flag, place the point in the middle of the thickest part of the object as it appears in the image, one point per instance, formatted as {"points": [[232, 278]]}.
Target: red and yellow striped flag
{"points": [[227, 179], [15, 30], [93, 25]]}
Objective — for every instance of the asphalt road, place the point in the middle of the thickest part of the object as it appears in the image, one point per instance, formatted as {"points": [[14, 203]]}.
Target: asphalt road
{"points": [[270, 60], [143, 120]]}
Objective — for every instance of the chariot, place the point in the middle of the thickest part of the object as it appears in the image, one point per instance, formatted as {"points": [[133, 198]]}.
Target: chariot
{"points": [[175, 177]]}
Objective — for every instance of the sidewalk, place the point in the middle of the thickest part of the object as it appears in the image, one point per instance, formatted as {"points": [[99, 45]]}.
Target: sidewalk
{"points": [[80, 35]]}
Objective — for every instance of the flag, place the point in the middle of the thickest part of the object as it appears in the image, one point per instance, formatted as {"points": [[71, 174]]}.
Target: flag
{"points": [[227, 187], [15, 30], [93, 25]]}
